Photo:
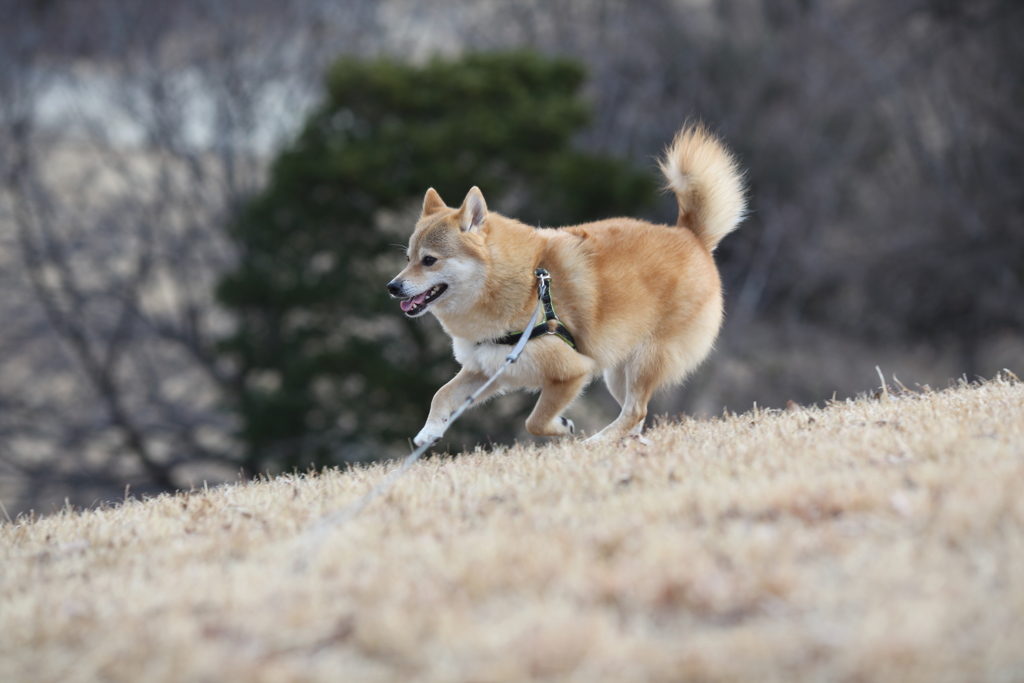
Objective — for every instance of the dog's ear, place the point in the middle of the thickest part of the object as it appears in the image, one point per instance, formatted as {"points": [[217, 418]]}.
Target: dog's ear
{"points": [[474, 211], [432, 203]]}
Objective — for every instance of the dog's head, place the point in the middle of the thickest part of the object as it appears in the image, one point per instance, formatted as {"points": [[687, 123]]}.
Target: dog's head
{"points": [[447, 259]]}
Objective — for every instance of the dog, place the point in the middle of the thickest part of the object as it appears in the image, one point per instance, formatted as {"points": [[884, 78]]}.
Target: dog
{"points": [[638, 302]]}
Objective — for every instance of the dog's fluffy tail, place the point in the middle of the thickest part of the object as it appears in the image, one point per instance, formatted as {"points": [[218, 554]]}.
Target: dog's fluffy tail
{"points": [[707, 183]]}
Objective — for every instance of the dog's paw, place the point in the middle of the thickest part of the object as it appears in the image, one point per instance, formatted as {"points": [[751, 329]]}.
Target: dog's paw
{"points": [[568, 425], [428, 435], [559, 426]]}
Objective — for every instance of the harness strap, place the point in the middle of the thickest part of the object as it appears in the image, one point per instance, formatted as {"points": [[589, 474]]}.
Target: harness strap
{"points": [[551, 325]]}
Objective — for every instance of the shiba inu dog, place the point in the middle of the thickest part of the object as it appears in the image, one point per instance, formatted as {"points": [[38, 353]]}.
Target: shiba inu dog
{"points": [[642, 303]]}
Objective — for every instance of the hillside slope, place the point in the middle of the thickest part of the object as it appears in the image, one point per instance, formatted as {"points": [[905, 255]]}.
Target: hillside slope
{"points": [[879, 539]]}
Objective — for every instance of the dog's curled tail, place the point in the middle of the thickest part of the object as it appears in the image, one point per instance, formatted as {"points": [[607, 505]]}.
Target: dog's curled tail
{"points": [[707, 183]]}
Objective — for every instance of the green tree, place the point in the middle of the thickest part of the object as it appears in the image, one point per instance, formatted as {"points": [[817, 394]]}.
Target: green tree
{"points": [[327, 368]]}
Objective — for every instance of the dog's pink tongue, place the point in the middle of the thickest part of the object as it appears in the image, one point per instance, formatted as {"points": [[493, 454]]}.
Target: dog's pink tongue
{"points": [[409, 303]]}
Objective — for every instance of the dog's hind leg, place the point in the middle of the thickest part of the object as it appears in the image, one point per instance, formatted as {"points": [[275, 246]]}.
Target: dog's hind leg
{"points": [[555, 396], [615, 380], [640, 381]]}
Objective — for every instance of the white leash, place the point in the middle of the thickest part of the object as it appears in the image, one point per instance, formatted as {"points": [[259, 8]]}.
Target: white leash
{"points": [[325, 523]]}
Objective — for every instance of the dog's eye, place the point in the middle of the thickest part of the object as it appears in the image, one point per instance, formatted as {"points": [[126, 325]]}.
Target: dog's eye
{"points": [[429, 260]]}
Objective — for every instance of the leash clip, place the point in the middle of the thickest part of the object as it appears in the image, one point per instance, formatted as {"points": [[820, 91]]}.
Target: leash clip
{"points": [[542, 281]]}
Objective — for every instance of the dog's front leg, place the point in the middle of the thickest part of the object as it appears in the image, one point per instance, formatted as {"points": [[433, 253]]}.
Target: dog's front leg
{"points": [[448, 398]]}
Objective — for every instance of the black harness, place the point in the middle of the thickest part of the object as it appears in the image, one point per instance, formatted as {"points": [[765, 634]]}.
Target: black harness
{"points": [[552, 325]]}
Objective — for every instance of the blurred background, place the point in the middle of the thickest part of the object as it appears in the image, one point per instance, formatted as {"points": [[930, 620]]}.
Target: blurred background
{"points": [[198, 198]]}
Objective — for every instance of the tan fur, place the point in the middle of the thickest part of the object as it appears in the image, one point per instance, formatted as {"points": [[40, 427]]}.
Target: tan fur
{"points": [[707, 183], [643, 301]]}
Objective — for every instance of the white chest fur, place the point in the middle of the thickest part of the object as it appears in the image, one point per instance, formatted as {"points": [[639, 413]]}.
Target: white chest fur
{"points": [[486, 358], [526, 372]]}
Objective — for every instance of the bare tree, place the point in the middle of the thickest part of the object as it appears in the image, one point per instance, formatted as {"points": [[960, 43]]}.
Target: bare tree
{"points": [[132, 133]]}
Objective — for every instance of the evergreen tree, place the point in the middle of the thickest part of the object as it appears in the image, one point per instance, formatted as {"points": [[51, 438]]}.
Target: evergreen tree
{"points": [[327, 367]]}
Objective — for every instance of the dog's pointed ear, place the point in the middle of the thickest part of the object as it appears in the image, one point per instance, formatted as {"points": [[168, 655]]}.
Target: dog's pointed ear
{"points": [[474, 211], [432, 203]]}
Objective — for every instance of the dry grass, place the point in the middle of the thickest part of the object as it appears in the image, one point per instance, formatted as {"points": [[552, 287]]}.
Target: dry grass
{"points": [[872, 540]]}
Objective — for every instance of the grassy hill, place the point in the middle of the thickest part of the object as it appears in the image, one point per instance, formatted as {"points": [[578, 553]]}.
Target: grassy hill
{"points": [[880, 539]]}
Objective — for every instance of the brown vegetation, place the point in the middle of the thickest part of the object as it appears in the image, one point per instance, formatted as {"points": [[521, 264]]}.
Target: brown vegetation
{"points": [[879, 539]]}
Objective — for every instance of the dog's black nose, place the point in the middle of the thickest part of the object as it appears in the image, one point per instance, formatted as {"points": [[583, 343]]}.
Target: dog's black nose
{"points": [[394, 288]]}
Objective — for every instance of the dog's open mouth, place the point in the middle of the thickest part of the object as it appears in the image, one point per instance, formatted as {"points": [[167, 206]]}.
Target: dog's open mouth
{"points": [[415, 305]]}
